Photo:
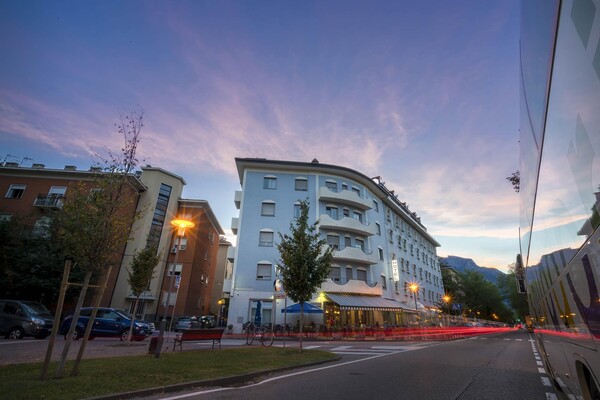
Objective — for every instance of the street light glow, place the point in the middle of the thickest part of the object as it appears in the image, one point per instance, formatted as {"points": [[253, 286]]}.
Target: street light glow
{"points": [[413, 287], [182, 225]]}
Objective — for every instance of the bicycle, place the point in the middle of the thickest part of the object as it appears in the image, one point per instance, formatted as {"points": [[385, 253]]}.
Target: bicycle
{"points": [[264, 335]]}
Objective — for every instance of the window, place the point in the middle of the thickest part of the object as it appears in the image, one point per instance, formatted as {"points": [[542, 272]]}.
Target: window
{"points": [[380, 253], [418, 254], [181, 243], [270, 182], [346, 212], [349, 275], [344, 186], [375, 206], [297, 210], [356, 190], [360, 243], [57, 191], [391, 235], [361, 274], [383, 282], [265, 238], [263, 270], [301, 184], [332, 211], [396, 287], [15, 191], [5, 217], [335, 273], [333, 241], [268, 209], [331, 185], [347, 241], [388, 215], [41, 227], [377, 228], [174, 269]]}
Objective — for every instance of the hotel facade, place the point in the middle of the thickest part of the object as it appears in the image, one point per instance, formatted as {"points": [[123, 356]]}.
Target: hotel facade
{"points": [[380, 247]]}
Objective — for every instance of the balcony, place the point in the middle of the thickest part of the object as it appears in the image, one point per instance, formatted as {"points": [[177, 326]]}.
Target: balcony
{"points": [[346, 224], [48, 201], [234, 225], [237, 199], [352, 286], [347, 197], [355, 255]]}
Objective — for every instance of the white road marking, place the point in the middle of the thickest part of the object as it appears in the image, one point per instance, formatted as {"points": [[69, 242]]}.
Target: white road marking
{"points": [[340, 348], [551, 396], [541, 370], [546, 381]]}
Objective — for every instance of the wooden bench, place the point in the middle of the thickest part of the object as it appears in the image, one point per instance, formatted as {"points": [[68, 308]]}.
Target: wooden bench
{"points": [[198, 335]]}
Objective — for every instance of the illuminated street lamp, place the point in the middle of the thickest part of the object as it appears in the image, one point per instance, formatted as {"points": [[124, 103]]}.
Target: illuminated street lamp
{"points": [[414, 288], [447, 299], [181, 225]]}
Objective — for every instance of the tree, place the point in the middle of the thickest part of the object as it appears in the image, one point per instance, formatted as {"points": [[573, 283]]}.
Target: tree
{"points": [[305, 261], [140, 273], [482, 297], [95, 220], [515, 180]]}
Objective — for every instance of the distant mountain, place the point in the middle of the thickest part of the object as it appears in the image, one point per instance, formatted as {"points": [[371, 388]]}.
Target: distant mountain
{"points": [[463, 264]]}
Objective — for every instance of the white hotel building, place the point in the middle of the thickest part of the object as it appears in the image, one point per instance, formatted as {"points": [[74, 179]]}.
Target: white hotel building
{"points": [[380, 245]]}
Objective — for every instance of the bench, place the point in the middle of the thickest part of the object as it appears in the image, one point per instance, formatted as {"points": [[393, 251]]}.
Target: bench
{"points": [[198, 335]]}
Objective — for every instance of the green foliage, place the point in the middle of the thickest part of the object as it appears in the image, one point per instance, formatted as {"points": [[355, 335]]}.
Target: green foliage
{"points": [[141, 269], [105, 376], [481, 298], [305, 258], [515, 180], [31, 264]]}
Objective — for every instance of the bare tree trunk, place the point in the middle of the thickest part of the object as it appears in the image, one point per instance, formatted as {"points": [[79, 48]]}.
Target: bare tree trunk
{"points": [[61, 299], [301, 326], [137, 299], [88, 328], [69, 339]]}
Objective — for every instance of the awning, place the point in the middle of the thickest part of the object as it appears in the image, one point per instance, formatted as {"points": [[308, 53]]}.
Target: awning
{"points": [[369, 303]]}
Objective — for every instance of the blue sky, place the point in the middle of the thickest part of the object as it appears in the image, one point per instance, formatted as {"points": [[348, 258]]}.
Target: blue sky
{"points": [[422, 93]]}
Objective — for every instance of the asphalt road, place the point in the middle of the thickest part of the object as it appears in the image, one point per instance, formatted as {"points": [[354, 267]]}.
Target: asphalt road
{"points": [[490, 367], [498, 366]]}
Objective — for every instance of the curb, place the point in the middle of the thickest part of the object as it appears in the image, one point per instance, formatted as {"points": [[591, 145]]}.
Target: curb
{"points": [[225, 381]]}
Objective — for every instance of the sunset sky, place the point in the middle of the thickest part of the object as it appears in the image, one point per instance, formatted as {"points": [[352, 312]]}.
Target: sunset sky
{"points": [[422, 93]]}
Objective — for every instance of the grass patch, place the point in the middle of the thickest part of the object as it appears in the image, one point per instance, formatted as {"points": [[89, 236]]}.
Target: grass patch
{"points": [[104, 376]]}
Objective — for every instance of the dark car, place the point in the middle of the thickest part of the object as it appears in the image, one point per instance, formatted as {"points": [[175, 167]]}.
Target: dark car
{"points": [[109, 322], [19, 318]]}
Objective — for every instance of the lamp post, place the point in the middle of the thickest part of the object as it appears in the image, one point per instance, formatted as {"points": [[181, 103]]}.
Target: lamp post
{"points": [[447, 299], [414, 288], [181, 225]]}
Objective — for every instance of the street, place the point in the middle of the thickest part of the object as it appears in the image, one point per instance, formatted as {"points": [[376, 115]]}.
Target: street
{"points": [[496, 366], [491, 367]]}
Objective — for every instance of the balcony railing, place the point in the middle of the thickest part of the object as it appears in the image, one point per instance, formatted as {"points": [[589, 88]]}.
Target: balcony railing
{"points": [[348, 197], [347, 224], [49, 201], [355, 254]]}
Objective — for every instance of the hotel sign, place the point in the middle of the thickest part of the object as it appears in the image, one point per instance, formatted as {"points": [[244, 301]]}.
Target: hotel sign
{"points": [[395, 273]]}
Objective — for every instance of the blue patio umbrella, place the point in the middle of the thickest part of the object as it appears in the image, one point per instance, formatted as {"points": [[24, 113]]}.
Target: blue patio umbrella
{"points": [[308, 308], [257, 316]]}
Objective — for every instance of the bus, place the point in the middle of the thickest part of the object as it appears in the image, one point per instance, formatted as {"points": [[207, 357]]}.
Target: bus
{"points": [[560, 187]]}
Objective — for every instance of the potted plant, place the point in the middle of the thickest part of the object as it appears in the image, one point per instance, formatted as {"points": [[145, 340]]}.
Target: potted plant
{"points": [[229, 329]]}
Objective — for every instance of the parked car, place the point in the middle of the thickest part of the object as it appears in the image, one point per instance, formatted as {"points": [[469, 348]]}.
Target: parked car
{"points": [[109, 322], [208, 321], [184, 323], [19, 318]]}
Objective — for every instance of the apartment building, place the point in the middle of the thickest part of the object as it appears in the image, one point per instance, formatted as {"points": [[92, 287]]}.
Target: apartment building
{"points": [[33, 192], [380, 246]]}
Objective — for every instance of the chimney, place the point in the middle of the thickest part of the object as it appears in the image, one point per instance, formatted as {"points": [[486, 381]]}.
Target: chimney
{"points": [[70, 168], [94, 168], [38, 166]]}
